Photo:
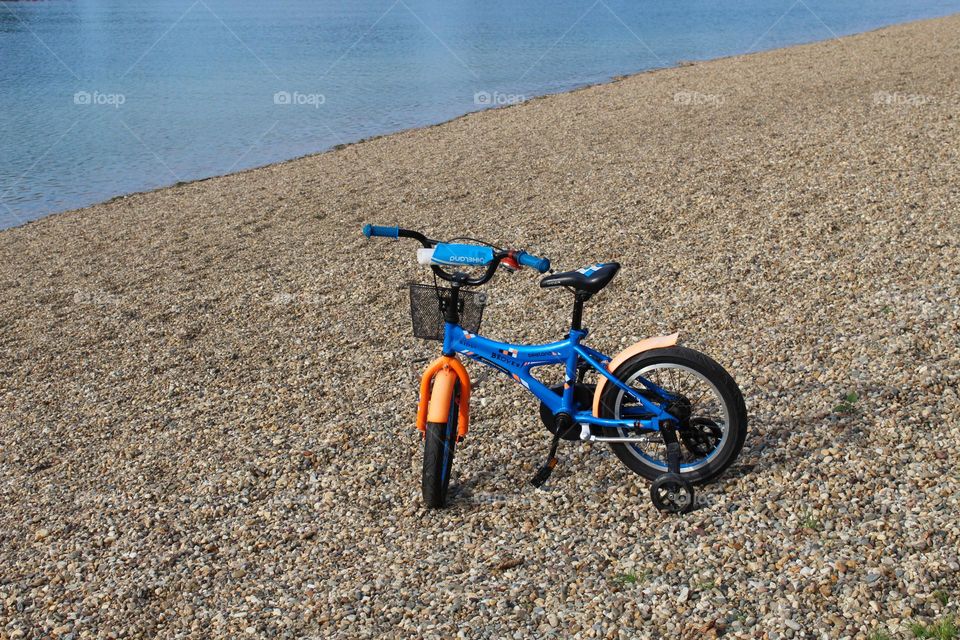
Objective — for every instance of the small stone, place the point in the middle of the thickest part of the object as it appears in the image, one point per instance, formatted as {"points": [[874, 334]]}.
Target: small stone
{"points": [[508, 563]]}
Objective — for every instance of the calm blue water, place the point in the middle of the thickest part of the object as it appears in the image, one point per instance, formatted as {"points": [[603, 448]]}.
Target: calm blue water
{"points": [[105, 97]]}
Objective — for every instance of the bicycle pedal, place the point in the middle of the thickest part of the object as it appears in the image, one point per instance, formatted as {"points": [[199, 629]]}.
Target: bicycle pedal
{"points": [[543, 473]]}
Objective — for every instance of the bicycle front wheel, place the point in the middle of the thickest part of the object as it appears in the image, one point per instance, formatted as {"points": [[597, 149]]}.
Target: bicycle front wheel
{"points": [[440, 444], [713, 417]]}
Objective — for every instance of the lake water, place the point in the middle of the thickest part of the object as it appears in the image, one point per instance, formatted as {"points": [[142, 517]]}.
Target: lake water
{"points": [[106, 97]]}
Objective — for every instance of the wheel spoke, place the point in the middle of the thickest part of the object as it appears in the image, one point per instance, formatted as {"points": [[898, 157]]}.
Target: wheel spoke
{"points": [[685, 382]]}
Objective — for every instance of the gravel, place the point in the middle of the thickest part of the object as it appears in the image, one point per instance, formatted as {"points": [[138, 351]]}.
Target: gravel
{"points": [[207, 392]]}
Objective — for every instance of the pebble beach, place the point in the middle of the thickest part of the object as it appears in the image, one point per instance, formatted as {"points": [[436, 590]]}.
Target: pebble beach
{"points": [[208, 392]]}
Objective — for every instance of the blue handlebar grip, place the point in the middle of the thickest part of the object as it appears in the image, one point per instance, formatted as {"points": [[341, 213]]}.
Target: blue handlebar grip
{"points": [[529, 260], [370, 230]]}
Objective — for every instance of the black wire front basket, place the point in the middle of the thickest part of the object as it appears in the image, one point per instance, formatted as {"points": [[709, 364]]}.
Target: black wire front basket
{"points": [[427, 306]]}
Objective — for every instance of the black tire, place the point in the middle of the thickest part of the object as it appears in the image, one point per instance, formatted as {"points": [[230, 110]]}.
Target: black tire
{"points": [[729, 397], [440, 444], [670, 493]]}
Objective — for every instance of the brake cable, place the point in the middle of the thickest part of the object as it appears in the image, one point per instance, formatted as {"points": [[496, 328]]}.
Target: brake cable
{"points": [[483, 242]]}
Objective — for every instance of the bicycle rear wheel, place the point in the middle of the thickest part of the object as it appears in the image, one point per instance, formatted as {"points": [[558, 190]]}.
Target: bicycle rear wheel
{"points": [[713, 423], [440, 444]]}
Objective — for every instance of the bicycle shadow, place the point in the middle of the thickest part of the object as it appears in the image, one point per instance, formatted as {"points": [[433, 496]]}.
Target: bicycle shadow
{"points": [[473, 493], [494, 485], [768, 449]]}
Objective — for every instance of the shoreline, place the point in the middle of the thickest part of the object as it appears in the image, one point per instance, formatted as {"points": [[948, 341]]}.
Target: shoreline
{"points": [[339, 147]]}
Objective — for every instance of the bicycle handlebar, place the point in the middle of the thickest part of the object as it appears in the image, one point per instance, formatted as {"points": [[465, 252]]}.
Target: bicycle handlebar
{"points": [[380, 231], [370, 230], [522, 257], [534, 262]]}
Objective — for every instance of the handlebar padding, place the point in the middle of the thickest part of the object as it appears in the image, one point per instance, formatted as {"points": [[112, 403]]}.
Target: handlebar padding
{"points": [[534, 262], [370, 230], [462, 255]]}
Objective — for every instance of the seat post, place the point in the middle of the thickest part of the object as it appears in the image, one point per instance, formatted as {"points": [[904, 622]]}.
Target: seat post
{"points": [[579, 298]]}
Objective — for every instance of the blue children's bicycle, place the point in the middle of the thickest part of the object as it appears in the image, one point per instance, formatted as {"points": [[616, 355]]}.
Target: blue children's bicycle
{"points": [[670, 414]]}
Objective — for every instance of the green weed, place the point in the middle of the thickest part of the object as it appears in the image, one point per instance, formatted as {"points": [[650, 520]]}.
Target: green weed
{"points": [[631, 577], [848, 404], [810, 521], [944, 629]]}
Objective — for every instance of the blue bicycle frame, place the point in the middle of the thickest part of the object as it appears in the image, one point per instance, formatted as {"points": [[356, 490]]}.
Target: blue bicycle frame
{"points": [[518, 361]]}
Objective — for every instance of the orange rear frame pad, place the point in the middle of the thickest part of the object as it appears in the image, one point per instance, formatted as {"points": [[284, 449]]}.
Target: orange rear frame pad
{"points": [[436, 388]]}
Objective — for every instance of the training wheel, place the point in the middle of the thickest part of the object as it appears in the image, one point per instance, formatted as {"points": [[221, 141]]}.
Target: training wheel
{"points": [[672, 494]]}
